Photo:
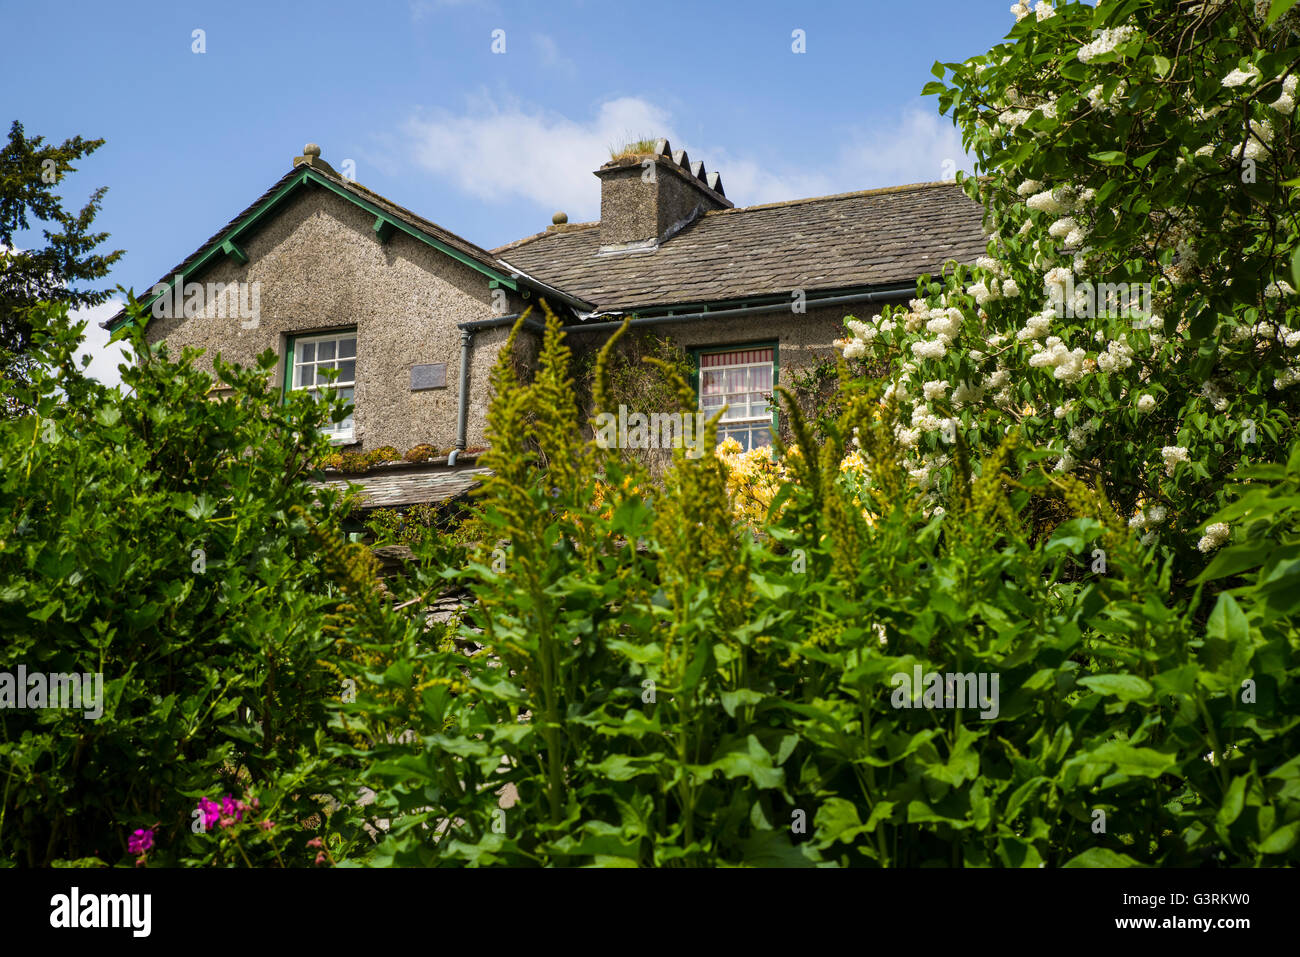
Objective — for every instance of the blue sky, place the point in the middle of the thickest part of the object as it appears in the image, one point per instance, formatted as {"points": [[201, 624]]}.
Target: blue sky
{"points": [[486, 144]]}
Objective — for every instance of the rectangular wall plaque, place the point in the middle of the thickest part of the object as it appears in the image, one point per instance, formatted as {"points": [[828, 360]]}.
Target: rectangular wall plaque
{"points": [[431, 376]]}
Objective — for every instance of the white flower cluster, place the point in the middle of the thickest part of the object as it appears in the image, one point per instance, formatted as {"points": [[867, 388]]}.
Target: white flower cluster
{"points": [[1242, 77], [1036, 326], [863, 335], [944, 323], [1276, 290], [935, 388], [1215, 536], [1067, 365], [1105, 42], [1053, 201], [1289, 377], [1147, 518], [926, 349], [1043, 11], [1146, 403], [1098, 99], [1080, 434], [1285, 103], [1173, 454], [966, 394], [1213, 394], [1118, 355]]}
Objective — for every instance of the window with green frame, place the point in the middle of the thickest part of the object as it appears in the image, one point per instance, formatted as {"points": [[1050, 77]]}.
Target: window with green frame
{"points": [[741, 378], [309, 358]]}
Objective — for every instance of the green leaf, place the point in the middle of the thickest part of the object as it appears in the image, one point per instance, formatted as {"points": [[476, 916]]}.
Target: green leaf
{"points": [[1227, 621], [1124, 687], [1278, 8], [1102, 857], [1238, 558], [1109, 157], [1138, 762], [1233, 802], [1281, 840]]}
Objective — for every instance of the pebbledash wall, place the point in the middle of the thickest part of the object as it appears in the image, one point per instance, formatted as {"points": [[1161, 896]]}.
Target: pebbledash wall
{"points": [[801, 338], [320, 269]]}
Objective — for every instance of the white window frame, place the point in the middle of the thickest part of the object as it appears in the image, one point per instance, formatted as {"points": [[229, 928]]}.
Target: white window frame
{"points": [[731, 422], [338, 432]]}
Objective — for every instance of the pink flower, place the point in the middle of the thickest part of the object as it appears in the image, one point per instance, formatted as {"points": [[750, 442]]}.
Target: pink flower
{"points": [[267, 825], [315, 842], [140, 841], [211, 812], [231, 808], [320, 857]]}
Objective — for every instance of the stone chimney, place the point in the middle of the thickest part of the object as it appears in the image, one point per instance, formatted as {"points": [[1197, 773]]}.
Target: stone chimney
{"points": [[647, 197]]}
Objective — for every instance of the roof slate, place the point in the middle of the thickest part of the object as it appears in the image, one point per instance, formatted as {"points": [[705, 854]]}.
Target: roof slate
{"points": [[867, 238], [411, 486]]}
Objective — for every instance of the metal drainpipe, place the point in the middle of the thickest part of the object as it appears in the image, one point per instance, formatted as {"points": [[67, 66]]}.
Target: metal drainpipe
{"points": [[747, 310], [467, 330], [462, 400]]}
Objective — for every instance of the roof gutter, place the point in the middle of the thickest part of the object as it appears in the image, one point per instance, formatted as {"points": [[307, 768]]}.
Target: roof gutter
{"points": [[578, 305], [874, 295]]}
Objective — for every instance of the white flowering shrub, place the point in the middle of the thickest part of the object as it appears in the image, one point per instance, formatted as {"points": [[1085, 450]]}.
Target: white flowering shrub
{"points": [[1135, 317]]}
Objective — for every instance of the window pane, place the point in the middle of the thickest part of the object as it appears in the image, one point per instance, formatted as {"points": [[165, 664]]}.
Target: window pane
{"points": [[306, 351], [347, 348], [348, 370], [325, 350]]}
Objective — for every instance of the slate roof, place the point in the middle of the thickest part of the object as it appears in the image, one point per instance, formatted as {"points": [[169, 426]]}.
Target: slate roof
{"points": [[411, 486], [869, 238]]}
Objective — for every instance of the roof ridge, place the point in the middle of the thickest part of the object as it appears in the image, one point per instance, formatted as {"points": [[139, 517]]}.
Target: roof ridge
{"points": [[568, 228], [878, 191]]}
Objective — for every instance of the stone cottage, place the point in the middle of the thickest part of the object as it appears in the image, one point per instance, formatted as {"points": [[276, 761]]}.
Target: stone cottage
{"points": [[407, 319]]}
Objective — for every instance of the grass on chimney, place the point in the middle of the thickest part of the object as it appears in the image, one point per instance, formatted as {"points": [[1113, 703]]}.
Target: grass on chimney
{"points": [[633, 148]]}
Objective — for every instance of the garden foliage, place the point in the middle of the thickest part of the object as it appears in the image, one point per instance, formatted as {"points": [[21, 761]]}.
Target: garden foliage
{"points": [[659, 687]]}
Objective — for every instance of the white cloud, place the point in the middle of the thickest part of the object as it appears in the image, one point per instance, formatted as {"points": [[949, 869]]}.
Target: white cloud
{"points": [[500, 153], [104, 359]]}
